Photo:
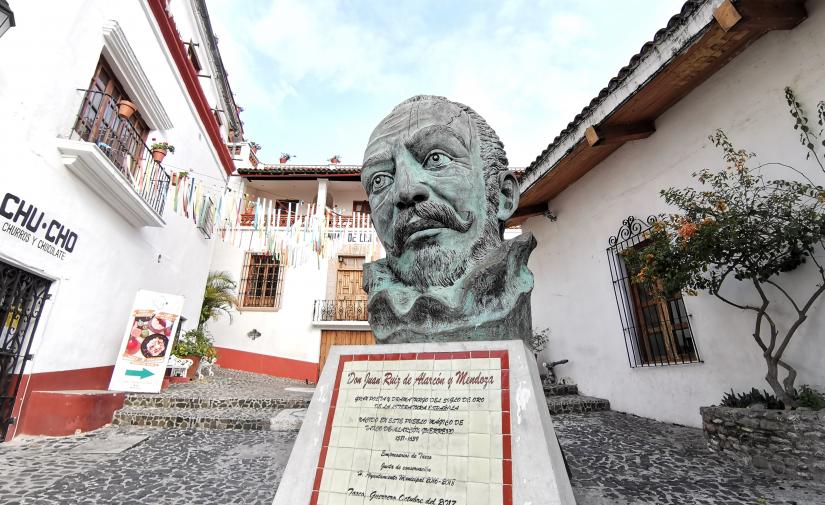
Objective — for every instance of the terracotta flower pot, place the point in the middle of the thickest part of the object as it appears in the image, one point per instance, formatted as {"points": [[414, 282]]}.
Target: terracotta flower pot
{"points": [[159, 154], [125, 109], [193, 370]]}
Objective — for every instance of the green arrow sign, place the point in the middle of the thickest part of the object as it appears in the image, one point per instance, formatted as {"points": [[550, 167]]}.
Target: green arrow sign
{"points": [[139, 373]]}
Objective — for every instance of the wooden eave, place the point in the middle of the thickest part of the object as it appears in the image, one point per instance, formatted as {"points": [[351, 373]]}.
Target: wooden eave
{"points": [[713, 48]]}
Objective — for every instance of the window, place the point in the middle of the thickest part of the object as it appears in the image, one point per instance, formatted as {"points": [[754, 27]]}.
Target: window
{"points": [[362, 206], [656, 331], [122, 140], [261, 281]]}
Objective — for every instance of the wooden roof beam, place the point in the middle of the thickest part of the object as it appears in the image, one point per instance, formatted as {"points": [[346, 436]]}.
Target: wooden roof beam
{"points": [[618, 134], [760, 15], [530, 210]]}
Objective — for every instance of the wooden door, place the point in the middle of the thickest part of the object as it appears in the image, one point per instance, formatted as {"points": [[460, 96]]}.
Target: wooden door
{"points": [[350, 297], [341, 337]]}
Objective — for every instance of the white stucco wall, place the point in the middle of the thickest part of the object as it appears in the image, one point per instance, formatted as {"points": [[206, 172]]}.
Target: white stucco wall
{"points": [[573, 293], [48, 56], [287, 332]]}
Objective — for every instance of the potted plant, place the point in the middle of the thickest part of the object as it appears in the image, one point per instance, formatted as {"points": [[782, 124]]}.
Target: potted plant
{"points": [[160, 149], [125, 108], [194, 344]]}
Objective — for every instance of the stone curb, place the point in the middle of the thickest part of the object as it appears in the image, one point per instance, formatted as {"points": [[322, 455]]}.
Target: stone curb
{"points": [[212, 418], [569, 404], [209, 403]]}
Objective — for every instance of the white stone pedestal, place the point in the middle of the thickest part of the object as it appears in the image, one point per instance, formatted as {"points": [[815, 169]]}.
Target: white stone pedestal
{"points": [[458, 423]]}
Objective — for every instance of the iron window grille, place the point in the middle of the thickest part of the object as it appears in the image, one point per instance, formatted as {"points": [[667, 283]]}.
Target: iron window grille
{"points": [[261, 281], [656, 331]]}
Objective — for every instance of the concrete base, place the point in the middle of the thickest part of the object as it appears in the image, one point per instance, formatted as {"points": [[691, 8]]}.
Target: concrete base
{"points": [[538, 471]]}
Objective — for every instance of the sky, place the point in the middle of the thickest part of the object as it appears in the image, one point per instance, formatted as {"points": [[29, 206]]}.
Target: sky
{"points": [[316, 76]]}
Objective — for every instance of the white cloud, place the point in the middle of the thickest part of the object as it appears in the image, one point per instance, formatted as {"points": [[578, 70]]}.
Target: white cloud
{"points": [[528, 68]]}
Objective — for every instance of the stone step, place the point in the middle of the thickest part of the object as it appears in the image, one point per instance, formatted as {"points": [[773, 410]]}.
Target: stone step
{"points": [[229, 418], [166, 402], [568, 404], [561, 389]]}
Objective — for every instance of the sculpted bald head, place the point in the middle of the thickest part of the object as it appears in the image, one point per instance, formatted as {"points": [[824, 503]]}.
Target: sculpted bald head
{"points": [[439, 189]]}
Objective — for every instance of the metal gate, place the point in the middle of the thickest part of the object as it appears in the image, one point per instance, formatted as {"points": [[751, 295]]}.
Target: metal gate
{"points": [[22, 295]]}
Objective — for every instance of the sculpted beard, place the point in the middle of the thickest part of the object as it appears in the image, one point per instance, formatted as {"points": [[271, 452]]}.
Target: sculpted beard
{"points": [[434, 264]]}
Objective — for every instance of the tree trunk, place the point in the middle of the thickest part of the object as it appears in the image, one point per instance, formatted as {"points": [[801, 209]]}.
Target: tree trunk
{"points": [[782, 393]]}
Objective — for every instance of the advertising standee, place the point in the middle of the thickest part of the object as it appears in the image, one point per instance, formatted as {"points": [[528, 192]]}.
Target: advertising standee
{"points": [[147, 344]]}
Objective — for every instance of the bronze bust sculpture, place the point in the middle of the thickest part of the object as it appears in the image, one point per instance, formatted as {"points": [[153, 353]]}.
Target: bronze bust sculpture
{"points": [[440, 192]]}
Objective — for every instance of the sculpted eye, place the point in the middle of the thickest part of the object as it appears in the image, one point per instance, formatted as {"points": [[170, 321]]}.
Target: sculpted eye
{"points": [[380, 182], [436, 160]]}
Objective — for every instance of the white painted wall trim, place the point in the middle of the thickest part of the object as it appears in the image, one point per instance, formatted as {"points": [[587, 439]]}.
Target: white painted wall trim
{"points": [[124, 62], [342, 325], [88, 162], [668, 49]]}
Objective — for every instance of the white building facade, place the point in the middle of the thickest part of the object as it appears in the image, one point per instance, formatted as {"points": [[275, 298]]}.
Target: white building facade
{"points": [[298, 264], [646, 132], [86, 214]]}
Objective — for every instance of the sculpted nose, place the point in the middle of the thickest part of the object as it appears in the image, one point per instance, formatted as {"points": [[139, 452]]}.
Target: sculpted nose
{"points": [[411, 191], [411, 195]]}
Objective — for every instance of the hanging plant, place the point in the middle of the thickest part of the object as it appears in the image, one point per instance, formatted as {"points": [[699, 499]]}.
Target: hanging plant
{"points": [[160, 149], [125, 108]]}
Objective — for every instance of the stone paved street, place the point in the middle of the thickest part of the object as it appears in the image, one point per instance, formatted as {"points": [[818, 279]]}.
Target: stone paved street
{"points": [[171, 466], [615, 458], [623, 459]]}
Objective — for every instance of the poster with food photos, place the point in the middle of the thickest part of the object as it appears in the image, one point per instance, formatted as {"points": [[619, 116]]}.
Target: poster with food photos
{"points": [[147, 343]]}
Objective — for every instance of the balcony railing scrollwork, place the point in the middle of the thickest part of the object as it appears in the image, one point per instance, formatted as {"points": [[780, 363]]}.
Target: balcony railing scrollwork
{"points": [[340, 310], [118, 139]]}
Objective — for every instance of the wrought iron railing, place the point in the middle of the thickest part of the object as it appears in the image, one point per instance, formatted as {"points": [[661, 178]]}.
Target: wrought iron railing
{"points": [[98, 122], [340, 310]]}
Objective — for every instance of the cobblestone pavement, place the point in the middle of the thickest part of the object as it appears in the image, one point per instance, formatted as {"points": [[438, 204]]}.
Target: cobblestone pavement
{"points": [[236, 384], [615, 459], [622, 459], [172, 466]]}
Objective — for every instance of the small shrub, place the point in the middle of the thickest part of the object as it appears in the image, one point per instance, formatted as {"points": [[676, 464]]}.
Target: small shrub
{"points": [[745, 400], [195, 342], [810, 398]]}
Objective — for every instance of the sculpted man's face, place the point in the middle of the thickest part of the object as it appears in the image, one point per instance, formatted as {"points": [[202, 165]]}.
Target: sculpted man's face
{"points": [[425, 179]]}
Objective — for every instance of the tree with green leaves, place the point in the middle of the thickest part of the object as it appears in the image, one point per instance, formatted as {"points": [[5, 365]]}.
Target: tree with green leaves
{"points": [[218, 297], [743, 226]]}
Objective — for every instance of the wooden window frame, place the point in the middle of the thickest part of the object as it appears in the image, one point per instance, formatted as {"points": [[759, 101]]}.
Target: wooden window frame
{"points": [[262, 279], [105, 90]]}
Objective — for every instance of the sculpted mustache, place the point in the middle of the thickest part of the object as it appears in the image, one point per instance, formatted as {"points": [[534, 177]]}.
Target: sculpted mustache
{"points": [[433, 215]]}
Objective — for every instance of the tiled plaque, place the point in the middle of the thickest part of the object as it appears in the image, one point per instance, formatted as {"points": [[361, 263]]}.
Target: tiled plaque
{"points": [[418, 428]]}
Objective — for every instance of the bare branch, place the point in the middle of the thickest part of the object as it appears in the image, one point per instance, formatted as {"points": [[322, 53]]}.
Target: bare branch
{"points": [[799, 320], [781, 290]]}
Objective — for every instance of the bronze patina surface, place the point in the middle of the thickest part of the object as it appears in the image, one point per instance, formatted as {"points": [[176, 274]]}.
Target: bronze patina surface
{"points": [[440, 192]]}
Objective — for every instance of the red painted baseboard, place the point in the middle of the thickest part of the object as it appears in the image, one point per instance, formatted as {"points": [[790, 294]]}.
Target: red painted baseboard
{"points": [[269, 365], [83, 378], [57, 413]]}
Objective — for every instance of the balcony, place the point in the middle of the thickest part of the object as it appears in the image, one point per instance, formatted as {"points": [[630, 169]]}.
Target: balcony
{"points": [[110, 155], [340, 314]]}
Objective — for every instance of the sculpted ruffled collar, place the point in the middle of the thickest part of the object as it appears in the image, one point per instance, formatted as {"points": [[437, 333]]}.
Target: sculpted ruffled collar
{"points": [[491, 301]]}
